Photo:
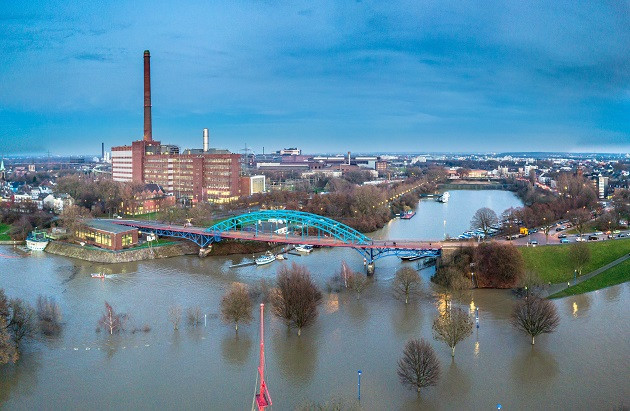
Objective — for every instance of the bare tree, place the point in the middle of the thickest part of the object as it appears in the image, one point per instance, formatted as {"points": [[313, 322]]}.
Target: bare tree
{"points": [[49, 315], [531, 283], [580, 217], [453, 326], [193, 316], [579, 255], [175, 316], [111, 321], [547, 219], [406, 283], [8, 351], [21, 321], [419, 367], [296, 297], [345, 273], [535, 316], [484, 219], [357, 283], [236, 306]]}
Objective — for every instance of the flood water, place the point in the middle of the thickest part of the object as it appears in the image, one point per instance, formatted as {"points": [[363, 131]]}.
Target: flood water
{"points": [[583, 365]]}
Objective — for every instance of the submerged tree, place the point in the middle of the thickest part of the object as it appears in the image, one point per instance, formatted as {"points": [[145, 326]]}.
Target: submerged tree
{"points": [[406, 283], [236, 306], [49, 315], [535, 316], [357, 283], [8, 351], [175, 316], [193, 316], [453, 326], [419, 366], [111, 321], [21, 320], [296, 297]]}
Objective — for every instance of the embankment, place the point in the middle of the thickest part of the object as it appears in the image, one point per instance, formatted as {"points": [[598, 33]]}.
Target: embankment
{"points": [[137, 254], [229, 247]]}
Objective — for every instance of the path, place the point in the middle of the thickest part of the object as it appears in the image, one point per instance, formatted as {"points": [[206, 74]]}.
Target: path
{"points": [[554, 288]]}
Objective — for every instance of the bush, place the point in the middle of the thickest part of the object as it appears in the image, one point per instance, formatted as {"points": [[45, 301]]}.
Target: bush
{"points": [[49, 315], [498, 265]]}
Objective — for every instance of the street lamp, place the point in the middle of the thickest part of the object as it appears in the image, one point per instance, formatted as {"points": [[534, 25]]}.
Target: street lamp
{"points": [[359, 385]]}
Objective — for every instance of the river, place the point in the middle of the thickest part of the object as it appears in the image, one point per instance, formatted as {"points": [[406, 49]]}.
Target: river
{"points": [[583, 365]]}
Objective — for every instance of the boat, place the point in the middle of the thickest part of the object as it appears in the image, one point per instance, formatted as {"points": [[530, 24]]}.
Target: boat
{"points": [[407, 215], [413, 257], [37, 240], [304, 248], [444, 197], [265, 259], [98, 275], [281, 257]]}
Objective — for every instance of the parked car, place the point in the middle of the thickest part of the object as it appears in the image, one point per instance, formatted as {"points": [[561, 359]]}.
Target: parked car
{"points": [[580, 239], [599, 233], [564, 240], [562, 236], [593, 238], [620, 235], [533, 243], [559, 228]]}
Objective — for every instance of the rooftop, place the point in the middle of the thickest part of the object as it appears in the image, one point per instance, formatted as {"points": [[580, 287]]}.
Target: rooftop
{"points": [[108, 226]]}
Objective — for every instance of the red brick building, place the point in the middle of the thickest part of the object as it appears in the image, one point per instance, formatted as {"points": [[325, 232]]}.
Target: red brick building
{"points": [[107, 235]]}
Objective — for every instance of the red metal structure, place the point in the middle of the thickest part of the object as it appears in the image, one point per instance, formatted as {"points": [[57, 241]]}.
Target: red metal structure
{"points": [[148, 130], [263, 400]]}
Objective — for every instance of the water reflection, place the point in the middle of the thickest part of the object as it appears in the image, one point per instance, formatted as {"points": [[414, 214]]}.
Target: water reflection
{"points": [[24, 373], [296, 357], [236, 348], [407, 318], [534, 366], [578, 305], [455, 381], [612, 293]]}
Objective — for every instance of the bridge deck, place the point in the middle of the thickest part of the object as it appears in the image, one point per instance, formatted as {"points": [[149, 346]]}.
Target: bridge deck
{"points": [[287, 239]]}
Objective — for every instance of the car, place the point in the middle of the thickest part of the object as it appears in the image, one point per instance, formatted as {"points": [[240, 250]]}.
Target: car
{"points": [[580, 239], [559, 229], [533, 243], [562, 236], [620, 235], [593, 238], [564, 240], [599, 233]]}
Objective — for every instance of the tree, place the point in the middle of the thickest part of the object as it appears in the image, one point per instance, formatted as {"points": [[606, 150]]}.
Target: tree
{"points": [[22, 320], [175, 316], [72, 218], [21, 228], [530, 284], [357, 283], [579, 218], [236, 306], [535, 316], [621, 202], [498, 265], [8, 351], [452, 327], [547, 218], [193, 316], [296, 297], [111, 321], [452, 278], [579, 255], [419, 367], [406, 283], [49, 315], [484, 219]]}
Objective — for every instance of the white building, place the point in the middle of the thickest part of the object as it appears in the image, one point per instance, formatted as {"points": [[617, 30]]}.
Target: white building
{"points": [[122, 164]]}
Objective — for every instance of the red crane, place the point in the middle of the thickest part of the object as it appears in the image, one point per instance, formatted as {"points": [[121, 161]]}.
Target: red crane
{"points": [[263, 399]]}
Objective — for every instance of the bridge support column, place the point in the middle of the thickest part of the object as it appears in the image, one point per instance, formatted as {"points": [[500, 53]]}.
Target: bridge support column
{"points": [[205, 251], [370, 269]]}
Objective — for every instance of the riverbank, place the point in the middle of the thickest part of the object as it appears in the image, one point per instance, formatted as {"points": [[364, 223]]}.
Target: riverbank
{"points": [[553, 263], [618, 274], [93, 254]]}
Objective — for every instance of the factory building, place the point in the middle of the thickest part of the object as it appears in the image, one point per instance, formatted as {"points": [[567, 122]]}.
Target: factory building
{"points": [[195, 174]]}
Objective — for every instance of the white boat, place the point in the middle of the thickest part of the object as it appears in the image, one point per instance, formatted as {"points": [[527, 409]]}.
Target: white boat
{"points": [[304, 248], [280, 257], [97, 275], [36, 241], [444, 197], [265, 259]]}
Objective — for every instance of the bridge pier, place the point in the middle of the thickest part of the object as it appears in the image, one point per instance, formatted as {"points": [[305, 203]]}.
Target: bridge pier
{"points": [[203, 252], [369, 269]]}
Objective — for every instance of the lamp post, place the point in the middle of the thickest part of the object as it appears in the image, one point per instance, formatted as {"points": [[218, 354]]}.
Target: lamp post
{"points": [[359, 385]]}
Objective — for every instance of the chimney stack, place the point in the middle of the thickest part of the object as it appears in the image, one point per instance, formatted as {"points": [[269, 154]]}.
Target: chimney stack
{"points": [[348, 158], [206, 138], [102, 151], [148, 133]]}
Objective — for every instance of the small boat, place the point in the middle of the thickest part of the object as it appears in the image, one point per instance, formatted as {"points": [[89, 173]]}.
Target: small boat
{"points": [[37, 240], [304, 248], [444, 197], [413, 257], [407, 215], [265, 259], [281, 257], [97, 275]]}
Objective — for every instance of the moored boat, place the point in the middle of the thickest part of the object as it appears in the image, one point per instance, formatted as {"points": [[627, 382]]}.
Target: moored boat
{"points": [[98, 275], [444, 197], [265, 259], [304, 248], [37, 240], [407, 215]]}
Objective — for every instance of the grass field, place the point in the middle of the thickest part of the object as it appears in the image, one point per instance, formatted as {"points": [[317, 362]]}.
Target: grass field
{"points": [[613, 276], [4, 232], [552, 263]]}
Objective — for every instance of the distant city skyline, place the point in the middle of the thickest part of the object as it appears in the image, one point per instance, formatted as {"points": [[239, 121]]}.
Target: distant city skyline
{"points": [[360, 77]]}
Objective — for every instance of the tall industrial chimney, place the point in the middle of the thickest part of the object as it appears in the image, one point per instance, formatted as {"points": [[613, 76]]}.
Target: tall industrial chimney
{"points": [[102, 151], [148, 132], [348, 158], [206, 138]]}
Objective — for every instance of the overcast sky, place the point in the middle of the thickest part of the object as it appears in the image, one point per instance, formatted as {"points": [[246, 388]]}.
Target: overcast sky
{"points": [[324, 76]]}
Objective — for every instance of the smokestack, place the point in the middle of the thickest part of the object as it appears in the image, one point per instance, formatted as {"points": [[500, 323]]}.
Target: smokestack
{"points": [[148, 132], [102, 151], [348, 158], [206, 138]]}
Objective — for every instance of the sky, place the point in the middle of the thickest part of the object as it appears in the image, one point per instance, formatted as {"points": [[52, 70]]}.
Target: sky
{"points": [[333, 76]]}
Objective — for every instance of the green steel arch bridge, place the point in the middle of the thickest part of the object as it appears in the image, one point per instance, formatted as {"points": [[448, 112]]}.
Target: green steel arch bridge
{"points": [[290, 227]]}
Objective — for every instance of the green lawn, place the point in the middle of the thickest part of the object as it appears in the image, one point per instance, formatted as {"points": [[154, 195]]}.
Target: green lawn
{"points": [[4, 232], [552, 263], [613, 276], [147, 216]]}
